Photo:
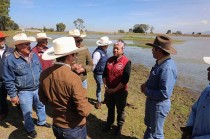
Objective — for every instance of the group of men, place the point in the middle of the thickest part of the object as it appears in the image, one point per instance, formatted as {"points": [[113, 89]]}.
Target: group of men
{"points": [[40, 75]]}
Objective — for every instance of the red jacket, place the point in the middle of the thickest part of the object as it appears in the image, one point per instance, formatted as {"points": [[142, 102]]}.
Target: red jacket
{"points": [[115, 69], [45, 63]]}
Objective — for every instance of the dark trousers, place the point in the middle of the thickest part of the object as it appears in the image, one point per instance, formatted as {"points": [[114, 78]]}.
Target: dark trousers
{"points": [[119, 100], [3, 100], [79, 132]]}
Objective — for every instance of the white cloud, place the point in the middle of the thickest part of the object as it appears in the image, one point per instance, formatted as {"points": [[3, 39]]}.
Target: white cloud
{"points": [[205, 22]]}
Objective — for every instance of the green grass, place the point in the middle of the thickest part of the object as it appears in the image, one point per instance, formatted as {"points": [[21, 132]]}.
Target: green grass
{"points": [[182, 100], [140, 40]]}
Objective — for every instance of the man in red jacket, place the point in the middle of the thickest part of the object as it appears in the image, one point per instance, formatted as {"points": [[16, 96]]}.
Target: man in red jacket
{"points": [[40, 48]]}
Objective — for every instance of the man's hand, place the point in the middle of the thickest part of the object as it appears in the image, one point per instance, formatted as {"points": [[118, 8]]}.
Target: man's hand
{"points": [[77, 68], [15, 100], [143, 88], [80, 70]]}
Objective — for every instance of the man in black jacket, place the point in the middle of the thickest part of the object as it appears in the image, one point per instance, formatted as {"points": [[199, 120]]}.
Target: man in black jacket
{"points": [[4, 52]]}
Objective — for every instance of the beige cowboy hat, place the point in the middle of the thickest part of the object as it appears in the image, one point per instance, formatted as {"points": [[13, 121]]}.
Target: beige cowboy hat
{"points": [[42, 35], [76, 33], [206, 60], [61, 47], [164, 43], [22, 38], [103, 41]]}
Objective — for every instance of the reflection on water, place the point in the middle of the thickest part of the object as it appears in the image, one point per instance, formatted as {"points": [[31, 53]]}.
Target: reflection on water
{"points": [[191, 68]]}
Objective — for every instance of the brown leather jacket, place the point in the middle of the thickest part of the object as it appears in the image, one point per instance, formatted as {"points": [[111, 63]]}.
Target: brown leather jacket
{"points": [[63, 89]]}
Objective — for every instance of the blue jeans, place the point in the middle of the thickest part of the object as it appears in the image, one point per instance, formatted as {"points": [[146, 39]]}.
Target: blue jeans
{"points": [[27, 100], [155, 115], [84, 84], [79, 132], [99, 82]]}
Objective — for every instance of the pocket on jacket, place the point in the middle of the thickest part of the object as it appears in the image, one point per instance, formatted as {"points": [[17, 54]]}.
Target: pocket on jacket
{"points": [[20, 69]]}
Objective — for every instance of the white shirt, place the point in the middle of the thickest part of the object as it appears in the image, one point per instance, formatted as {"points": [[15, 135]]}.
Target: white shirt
{"points": [[96, 58], [2, 51]]}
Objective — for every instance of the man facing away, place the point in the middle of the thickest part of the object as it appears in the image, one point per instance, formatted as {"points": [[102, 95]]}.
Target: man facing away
{"points": [[4, 52], [21, 73], [159, 87], [198, 123], [40, 48], [99, 62], [84, 63], [62, 88]]}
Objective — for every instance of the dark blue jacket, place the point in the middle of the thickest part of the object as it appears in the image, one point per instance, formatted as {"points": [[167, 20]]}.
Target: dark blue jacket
{"points": [[99, 69], [7, 52]]}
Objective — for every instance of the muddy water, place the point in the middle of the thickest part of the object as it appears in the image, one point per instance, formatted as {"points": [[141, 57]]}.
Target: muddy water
{"points": [[189, 60]]}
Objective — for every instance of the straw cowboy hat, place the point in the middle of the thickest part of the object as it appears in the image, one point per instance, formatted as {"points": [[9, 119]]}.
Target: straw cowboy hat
{"points": [[103, 41], [22, 38], [61, 47], [76, 33], [164, 43], [2, 35], [42, 35], [206, 60]]}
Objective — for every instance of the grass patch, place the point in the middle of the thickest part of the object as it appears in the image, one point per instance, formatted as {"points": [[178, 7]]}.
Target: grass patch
{"points": [[182, 100], [140, 41]]}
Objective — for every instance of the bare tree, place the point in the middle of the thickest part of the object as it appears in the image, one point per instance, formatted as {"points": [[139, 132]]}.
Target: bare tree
{"points": [[79, 24]]}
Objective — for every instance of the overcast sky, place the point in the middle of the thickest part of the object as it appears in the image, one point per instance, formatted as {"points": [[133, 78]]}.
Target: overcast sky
{"points": [[111, 15]]}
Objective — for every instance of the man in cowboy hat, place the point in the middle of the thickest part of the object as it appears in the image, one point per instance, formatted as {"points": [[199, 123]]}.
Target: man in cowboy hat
{"points": [[159, 87], [99, 62], [84, 63], [198, 123], [21, 73], [4, 52], [62, 88], [40, 48]]}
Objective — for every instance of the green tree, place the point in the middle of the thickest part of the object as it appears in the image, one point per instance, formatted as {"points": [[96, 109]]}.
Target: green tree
{"points": [[178, 32], [60, 27], [5, 21], [140, 28], [79, 24], [4, 7], [151, 29], [168, 32]]}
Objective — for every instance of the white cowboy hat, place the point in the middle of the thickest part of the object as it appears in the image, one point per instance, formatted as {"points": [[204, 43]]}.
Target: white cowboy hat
{"points": [[76, 33], [103, 41], [42, 36], [61, 47], [22, 38], [206, 60]]}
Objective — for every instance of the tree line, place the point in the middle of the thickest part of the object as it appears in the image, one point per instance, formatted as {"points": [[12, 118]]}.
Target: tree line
{"points": [[6, 23]]}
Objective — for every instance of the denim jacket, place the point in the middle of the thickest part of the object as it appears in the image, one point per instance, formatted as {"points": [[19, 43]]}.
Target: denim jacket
{"points": [[199, 117], [20, 75], [161, 81]]}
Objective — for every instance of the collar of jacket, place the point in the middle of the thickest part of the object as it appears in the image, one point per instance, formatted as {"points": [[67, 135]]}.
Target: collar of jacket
{"points": [[163, 59], [18, 55]]}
